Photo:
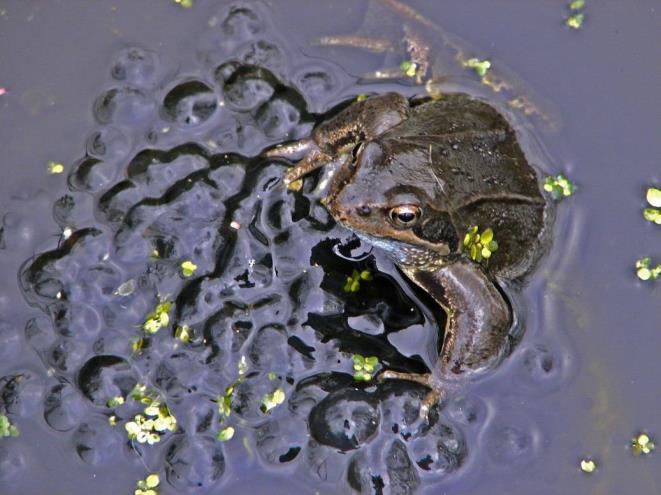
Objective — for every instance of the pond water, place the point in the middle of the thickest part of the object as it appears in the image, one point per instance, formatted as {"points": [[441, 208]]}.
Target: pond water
{"points": [[159, 114]]}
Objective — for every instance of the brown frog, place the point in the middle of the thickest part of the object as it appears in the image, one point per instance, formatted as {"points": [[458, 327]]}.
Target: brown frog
{"points": [[413, 180]]}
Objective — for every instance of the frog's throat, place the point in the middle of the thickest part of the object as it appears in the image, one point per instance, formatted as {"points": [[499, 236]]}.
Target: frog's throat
{"points": [[408, 257]]}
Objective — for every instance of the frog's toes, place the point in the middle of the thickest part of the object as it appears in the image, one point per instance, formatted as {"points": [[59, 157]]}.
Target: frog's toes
{"points": [[425, 380], [433, 397], [292, 150]]}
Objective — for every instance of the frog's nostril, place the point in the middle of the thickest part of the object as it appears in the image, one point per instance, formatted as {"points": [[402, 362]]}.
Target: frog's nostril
{"points": [[363, 210]]}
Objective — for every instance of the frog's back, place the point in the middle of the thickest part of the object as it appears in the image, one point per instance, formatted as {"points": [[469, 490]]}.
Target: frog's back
{"points": [[481, 175]]}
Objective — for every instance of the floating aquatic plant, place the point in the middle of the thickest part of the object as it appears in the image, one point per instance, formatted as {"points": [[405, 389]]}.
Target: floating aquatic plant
{"points": [[409, 68], [479, 246], [642, 444], [156, 420], [148, 486], [272, 400], [187, 4], [353, 281], [158, 318], [559, 187], [55, 167], [588, 466], [481, 67], [6, 428], [364, 367], [188, 268], [653, 214], [226, 434], [646, 271], [577, 4], [575, 21]]}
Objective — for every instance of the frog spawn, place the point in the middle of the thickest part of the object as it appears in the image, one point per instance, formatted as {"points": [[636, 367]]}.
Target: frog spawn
{"points": [[171, 170]]}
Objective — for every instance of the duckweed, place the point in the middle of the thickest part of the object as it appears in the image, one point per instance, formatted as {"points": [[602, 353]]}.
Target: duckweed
{"points": [[409, 68], [480, 246], [575, 21], [55, 168], [588, 466], [364, 367], [642, 444], [272, 400], [559, 187], [352, 283], [6, 428], [188, 268], [646, 271], [226, 434], [182, 333], [158, 318], [481, 67], [148, 486]]}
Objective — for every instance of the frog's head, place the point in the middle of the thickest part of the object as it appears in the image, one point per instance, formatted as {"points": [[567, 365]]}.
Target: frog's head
{"points": [[389, 196]]}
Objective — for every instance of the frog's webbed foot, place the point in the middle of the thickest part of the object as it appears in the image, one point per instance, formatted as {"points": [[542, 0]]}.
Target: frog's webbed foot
{"points": [[436, 394]]}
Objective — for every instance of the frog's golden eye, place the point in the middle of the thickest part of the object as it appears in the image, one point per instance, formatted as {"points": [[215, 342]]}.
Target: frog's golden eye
{"points": [[405, 215]]}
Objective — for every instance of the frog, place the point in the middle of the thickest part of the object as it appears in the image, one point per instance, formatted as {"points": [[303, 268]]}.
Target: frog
{"points": [[413, 177]]}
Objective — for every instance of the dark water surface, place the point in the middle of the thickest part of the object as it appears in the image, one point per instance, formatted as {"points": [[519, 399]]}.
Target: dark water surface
{"points": [[158, 114]]}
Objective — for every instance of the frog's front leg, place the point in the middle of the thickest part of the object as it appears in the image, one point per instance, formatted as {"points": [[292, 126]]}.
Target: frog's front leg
{"points": [[336, 137], [479, 319]]}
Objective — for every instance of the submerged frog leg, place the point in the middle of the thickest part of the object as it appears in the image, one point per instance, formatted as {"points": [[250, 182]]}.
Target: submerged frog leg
{"points": [[444, 62], [375, 45], [479, 319]]}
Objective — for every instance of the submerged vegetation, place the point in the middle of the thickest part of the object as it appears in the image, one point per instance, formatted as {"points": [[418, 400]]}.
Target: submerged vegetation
{"points": [[352, 283]]}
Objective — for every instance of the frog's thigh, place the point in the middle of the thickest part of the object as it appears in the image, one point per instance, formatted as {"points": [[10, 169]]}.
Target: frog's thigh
{"points": [[479, 317]]}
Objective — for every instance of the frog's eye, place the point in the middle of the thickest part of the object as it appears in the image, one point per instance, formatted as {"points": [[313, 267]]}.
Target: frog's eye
{"points": [[405, 215]]}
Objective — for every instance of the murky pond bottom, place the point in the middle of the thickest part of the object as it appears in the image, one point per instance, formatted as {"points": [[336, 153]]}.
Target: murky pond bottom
{"points": [[196, 319]]}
